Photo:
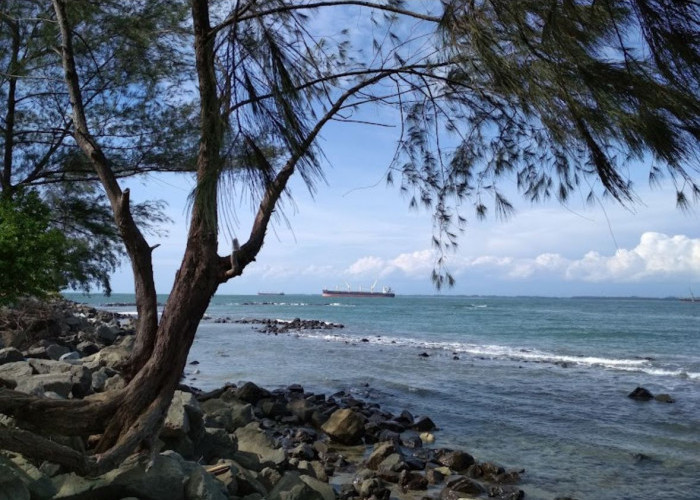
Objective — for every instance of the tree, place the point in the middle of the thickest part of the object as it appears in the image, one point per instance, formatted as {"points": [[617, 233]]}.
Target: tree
{"points": [[139, 131], [556, 94], [32, 254]]}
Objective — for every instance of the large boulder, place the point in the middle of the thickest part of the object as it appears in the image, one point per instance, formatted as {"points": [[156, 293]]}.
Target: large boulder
{"points": [[167, 477], [64, 379], [345, 426]]}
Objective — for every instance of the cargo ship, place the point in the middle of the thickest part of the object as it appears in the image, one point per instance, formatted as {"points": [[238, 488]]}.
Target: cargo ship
{"points": [[386, 292]]}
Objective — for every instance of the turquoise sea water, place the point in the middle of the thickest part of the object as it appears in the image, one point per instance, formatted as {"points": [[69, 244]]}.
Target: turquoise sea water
{"points": [[540, 384]]}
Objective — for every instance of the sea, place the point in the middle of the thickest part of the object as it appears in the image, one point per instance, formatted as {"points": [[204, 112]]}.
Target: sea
{"points": [[534, 384]]}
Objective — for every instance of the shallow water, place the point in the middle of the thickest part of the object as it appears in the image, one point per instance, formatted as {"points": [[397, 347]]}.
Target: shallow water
{"points": [[539, 383]]}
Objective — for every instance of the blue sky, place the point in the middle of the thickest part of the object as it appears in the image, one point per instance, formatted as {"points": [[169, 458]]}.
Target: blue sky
{"points": [[356, 230]]}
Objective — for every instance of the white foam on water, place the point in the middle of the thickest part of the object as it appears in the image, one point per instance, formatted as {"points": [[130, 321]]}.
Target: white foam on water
{"points": [[492, 351]]}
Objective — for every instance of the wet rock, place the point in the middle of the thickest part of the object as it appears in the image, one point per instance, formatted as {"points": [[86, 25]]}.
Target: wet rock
{"points": [[251, 393], [457, 487], [664, 398], [455, 459], [640, 394]]}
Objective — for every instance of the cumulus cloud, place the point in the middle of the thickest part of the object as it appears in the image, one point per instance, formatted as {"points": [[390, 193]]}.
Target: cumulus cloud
{"points": [[656, 255], [410, 264]]}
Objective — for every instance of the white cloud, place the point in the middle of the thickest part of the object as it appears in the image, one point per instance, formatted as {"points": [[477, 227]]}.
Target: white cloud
{"points": [[656, 256]]}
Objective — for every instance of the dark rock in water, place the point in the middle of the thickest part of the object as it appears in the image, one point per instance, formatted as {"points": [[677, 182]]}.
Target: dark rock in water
{"points": [[459, 485], [505, 493], [454, 459], [424, 355], [195, 362], [423, 424], [664, 398], [640, 394]]}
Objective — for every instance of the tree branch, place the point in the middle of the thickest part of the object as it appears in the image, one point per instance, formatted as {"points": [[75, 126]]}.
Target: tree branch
{"points": [[234, 264], [237, 17], [136, 245]]}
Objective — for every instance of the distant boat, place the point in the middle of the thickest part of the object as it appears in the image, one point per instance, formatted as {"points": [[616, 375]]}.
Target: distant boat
{"points": [[692, 298], [270, 293], [386, 292]]}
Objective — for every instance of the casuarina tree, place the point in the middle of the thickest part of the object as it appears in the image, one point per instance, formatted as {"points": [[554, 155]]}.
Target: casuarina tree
{"points": [[552, 95]]}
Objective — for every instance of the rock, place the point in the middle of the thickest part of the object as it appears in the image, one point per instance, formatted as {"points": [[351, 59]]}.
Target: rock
{"points": [[456, 460], [291, 487], [87, 348], [111, 356], [163, 479], [640, 394], [345, 426], [251, 393], [55, 351], [20, 480], [10, 355], [11, 373], [411, 439], [107, 333], [202, 486], [456, 487], [62, 378], [251, 439], [215, 444], [324, 489], [380, 453], [177, 420], [664, 398], [423, 424]]}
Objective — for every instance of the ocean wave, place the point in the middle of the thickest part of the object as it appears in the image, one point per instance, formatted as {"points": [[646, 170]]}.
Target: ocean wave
{"points": [[521, 354]]}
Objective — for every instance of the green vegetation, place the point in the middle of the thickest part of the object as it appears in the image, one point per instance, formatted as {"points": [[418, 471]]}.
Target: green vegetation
{"points": [[32, 254]]}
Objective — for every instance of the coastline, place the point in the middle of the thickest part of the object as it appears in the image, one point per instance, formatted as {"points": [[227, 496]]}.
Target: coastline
{"points": [[354, 448]]}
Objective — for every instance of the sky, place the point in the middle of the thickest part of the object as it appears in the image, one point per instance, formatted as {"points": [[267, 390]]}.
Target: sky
{"points": [[356, 232]]}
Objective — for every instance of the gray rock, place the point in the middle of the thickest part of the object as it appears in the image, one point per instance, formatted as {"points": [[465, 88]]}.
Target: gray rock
{"points": [[111, 356], [381, 451], [291, 487], [11, 373], [163, 479], [55, 351], [253, 440], [322, 488], [107, 333], [345, 426], [202, 486], [62, 378], [177, 421], [10, 355]]}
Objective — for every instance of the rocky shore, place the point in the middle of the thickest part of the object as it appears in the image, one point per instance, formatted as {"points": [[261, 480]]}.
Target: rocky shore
{"points": [[238, 442]]}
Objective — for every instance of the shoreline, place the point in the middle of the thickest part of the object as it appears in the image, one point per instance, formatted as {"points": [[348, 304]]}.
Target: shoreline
{"points": [[354, 448]]}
